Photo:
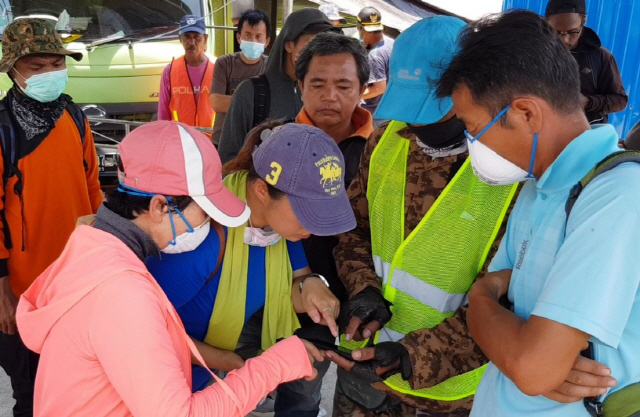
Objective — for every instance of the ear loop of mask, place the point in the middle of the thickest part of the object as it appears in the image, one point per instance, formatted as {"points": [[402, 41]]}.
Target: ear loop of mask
{"points": [[534, 147], [171, 206], [173, 226], [16, 83], [14, 68]]}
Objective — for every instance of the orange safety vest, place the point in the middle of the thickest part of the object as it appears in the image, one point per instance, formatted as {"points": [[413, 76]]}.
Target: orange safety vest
{"points": [[183, 105]]}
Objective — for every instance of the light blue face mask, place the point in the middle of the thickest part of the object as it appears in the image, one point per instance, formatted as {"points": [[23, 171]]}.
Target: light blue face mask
{"points": [[252, 50], [45, 87]]}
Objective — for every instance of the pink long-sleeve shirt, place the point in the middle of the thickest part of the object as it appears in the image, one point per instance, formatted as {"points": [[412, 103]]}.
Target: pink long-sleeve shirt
{"points": [[111, 344]]}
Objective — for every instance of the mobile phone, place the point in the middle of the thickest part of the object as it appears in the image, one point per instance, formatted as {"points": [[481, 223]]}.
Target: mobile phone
{"points": [[322, 345]]}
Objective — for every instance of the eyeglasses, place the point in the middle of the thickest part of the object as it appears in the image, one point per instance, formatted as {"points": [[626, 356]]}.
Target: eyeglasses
{"points": [[573, 33]]}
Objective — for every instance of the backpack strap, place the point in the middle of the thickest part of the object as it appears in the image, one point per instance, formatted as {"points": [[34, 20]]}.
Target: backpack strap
{"points": [[261, 99], [223, 244], [593, 404], [79, 119], [8, 151], [601, 167]]}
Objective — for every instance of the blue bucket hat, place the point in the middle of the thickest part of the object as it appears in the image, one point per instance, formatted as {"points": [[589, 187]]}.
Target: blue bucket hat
{"points": [[191, 23], [420, 55], [306, 164]]}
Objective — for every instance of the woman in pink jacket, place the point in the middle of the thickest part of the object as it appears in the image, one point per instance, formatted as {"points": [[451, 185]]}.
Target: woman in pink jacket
{"points": [[111, 344]]}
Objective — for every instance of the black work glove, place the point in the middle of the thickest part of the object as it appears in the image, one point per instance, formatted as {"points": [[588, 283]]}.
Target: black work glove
{"points": [[390, 358], [374, 365], [368, 306]]}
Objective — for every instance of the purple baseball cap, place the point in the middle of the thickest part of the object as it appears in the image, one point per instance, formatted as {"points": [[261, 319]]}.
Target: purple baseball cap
{"points": [[306, 164]]}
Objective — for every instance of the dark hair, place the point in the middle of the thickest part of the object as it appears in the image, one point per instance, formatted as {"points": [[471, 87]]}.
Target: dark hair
{"points": [[328, 43], [253, 17], [513, 54], [555, 7], [131, 206], [244, 160]]}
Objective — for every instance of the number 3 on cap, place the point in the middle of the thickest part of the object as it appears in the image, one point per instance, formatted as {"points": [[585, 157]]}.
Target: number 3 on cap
{"points": [[275, 174]]}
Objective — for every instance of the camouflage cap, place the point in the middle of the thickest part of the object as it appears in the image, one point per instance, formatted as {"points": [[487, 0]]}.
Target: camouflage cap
{"points": [[31, 36]]}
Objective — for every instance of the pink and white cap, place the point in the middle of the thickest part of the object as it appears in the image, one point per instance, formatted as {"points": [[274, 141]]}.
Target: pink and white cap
{"points": [[173, 159]]}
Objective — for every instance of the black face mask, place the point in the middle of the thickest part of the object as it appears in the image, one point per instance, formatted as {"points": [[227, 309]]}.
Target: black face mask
{"points": [[440, 135]]}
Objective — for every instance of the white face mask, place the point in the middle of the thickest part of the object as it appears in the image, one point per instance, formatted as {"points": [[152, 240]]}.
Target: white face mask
{"points": [[254, 236], [491, 168], [189, 241]]}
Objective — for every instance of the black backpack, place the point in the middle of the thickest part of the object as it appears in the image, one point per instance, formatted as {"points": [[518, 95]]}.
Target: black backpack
{"points": [[261, 99], [10, 157], [594, 404]]}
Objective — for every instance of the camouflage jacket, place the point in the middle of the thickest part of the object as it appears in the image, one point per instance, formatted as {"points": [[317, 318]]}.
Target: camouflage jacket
{"points": [[437, 353]]}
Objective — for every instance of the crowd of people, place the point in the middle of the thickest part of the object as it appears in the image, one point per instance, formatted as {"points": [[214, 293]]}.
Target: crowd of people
{"points": [[446, 216]]}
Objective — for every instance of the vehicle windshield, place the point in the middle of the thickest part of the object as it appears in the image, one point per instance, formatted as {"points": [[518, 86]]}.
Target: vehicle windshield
{"points": [[94, 20]]}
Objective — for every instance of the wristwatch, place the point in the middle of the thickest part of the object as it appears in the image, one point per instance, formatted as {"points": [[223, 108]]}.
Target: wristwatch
{"points": [[314, 275]]}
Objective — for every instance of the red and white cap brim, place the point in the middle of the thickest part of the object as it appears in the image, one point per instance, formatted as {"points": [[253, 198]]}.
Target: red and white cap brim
{"points": [[221, 204]]}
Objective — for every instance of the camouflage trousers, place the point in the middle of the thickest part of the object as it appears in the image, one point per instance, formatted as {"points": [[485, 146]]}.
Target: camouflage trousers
{"points": [[344, 407]]}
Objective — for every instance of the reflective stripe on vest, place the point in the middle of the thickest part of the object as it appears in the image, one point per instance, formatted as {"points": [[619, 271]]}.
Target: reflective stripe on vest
{"points": [[422, 291], [183, 105], [427, 275]]}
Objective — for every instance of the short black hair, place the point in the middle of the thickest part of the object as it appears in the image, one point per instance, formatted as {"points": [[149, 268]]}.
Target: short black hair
{"points": [[329, 43], [253, 17], [566, 6], [513, 54], [131, 206]]}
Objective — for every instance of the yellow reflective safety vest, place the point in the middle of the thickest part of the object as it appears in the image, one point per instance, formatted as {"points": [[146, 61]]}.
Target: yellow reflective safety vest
{"points": [[427, 275]]}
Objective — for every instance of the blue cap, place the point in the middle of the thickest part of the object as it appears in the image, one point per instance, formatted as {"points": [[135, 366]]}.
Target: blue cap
{"points": [[306, 164], [191, 23], [420, 55]]}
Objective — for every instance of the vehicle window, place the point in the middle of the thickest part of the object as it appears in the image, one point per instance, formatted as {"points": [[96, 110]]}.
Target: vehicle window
{"points": [[92, 20]]}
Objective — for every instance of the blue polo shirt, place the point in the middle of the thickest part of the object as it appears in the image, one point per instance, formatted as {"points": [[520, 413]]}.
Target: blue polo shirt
{"points": [[587, 280], [183, 277]]}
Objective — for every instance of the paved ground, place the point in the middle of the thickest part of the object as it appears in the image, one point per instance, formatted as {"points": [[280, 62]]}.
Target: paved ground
{"points": [[328, 388], [6, 401], [328, 385]]}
